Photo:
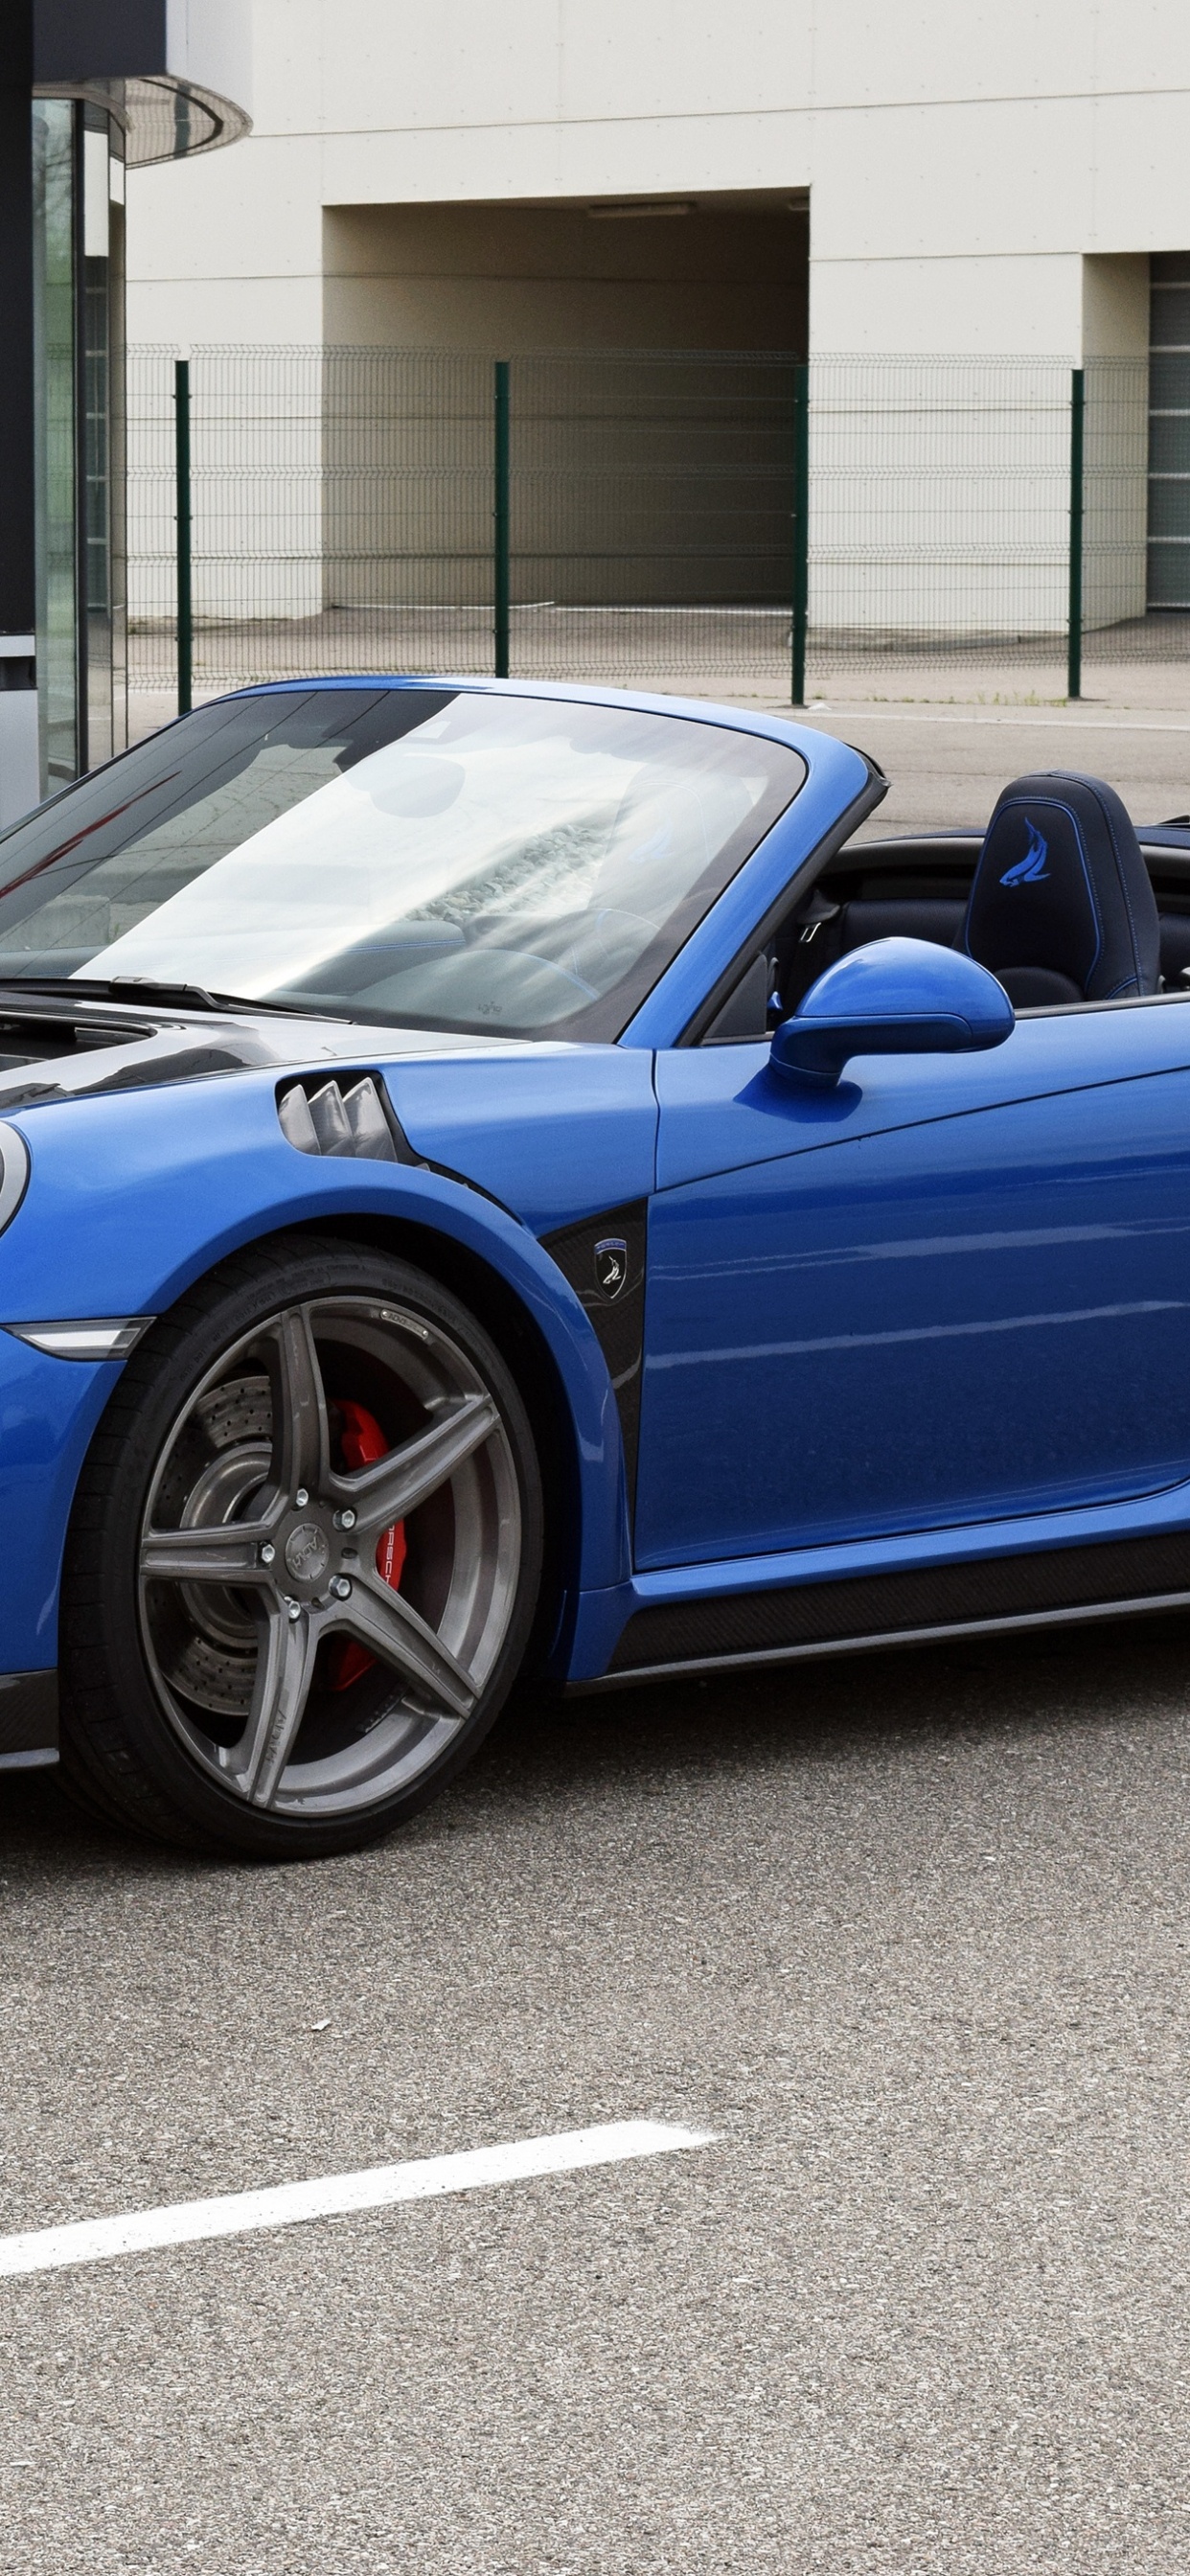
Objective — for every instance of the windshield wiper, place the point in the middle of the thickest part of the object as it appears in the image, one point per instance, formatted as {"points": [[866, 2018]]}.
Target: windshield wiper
{"points": [[147, 988]]}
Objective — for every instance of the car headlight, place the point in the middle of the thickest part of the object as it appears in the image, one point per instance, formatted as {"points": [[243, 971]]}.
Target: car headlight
{"points": [[14, 1173]]}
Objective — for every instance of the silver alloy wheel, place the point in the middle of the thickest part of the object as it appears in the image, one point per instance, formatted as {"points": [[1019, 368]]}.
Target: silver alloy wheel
{"points": [[259, 1583]]}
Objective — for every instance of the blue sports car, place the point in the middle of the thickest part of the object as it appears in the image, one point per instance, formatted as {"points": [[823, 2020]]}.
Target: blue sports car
{"points": [[503, 1176]]}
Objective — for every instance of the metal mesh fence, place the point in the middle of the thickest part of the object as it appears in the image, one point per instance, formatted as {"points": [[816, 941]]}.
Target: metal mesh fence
{"points": [[343, 510], [343, 515], [940, 527], [1125, 618], [940, 507]]}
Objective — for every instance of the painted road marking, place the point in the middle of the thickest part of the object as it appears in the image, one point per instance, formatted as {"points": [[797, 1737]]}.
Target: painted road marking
{"points": [[96, 2240], [923, 712]]}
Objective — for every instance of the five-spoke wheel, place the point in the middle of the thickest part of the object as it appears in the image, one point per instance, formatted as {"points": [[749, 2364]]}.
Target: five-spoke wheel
{"points": [[307, 1549]]}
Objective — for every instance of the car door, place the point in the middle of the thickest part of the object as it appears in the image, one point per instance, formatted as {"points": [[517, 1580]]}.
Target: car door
{"points": [[951, 1290]]}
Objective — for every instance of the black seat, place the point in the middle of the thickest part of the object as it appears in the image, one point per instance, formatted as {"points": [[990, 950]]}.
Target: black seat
{"points": [[934, 917], [1175, 950], [1061, 908]]}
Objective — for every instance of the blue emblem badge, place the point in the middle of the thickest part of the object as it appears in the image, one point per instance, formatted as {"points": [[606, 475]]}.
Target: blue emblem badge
{"points": [[1032, 867], [611, 1264]]}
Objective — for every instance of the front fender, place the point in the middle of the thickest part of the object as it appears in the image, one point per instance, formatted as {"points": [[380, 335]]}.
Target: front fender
{"points": [[133, 1197]]}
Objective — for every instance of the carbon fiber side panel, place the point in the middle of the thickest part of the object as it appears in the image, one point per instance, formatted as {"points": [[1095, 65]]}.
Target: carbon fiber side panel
{"points": [[28, 1713], [619, 1321], [996, 1587]]}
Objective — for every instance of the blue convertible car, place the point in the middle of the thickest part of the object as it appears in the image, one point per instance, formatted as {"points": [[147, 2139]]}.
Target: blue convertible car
{"points": [[503, 1174]]}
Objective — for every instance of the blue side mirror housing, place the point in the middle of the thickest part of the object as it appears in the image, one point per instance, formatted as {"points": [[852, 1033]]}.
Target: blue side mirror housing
{"points": [[894, 997]]}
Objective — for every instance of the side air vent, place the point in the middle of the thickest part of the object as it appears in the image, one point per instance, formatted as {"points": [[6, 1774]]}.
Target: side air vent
{"points": [[344, 1117]]}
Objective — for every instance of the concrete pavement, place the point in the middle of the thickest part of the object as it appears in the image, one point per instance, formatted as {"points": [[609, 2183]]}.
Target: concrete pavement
{"points": [[910, 1933]]}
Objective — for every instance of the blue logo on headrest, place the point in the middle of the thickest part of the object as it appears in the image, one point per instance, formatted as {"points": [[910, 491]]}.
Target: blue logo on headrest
{"points": [[1028, 870]]}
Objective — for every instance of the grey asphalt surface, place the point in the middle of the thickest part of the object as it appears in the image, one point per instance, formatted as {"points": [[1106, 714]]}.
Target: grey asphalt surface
{"points": [[911, 1933], [948, 764]]}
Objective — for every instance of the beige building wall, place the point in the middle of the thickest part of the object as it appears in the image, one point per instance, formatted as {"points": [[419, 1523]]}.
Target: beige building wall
{"points": [[983, 183], [963, 162]]}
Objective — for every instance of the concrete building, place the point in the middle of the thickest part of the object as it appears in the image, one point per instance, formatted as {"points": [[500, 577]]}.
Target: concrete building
{"points": [[859, 182]]}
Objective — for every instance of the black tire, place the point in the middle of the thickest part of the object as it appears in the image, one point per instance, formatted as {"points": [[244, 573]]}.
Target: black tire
{"points": [[304, 1559]]}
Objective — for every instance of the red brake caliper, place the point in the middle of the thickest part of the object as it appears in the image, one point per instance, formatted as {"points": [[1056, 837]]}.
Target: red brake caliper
{"points": [[363, 1442]]}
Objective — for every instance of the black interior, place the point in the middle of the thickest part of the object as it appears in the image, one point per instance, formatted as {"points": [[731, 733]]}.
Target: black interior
{"points": [[919, 887], [911, 889], [1062, 908]]}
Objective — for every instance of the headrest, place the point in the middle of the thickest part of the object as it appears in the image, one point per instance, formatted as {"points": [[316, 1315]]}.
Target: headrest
{"points": [[1062, 895]]}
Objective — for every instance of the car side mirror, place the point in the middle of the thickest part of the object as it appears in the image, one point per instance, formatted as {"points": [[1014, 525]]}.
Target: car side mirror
{"points": [[894, 997]]}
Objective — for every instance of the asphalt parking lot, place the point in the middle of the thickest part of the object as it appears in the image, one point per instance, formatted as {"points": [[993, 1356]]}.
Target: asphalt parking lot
{"points": [[947, 763], [909, 1934]]}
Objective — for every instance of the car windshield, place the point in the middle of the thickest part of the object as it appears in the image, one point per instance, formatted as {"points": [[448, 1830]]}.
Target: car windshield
{"points": [[437, 858]]}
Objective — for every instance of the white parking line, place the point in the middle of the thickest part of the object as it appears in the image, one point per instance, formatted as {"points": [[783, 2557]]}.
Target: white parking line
{"points": [[96, 2240], [923, 712]]}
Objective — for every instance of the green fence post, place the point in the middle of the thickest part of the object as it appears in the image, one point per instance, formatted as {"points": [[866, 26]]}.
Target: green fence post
{"points": [[501, 518], [1074, 640], [185, 600], [801, 528]]}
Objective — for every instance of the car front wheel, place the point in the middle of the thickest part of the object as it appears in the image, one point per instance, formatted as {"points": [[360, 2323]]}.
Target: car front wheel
{"points": [[304, 1559]]}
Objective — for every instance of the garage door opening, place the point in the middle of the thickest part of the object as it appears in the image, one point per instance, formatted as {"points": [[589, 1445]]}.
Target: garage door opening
{"points": [[652, 349]]}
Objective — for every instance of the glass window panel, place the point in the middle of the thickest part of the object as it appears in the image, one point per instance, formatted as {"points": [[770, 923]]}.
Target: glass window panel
{"points": [[1171, 317], [1169, 432], [54, 399], [1169, 576], [1169, 380], [1169, 445], [117, 451], [1169, 507], [436, 858], [97, 439]]}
